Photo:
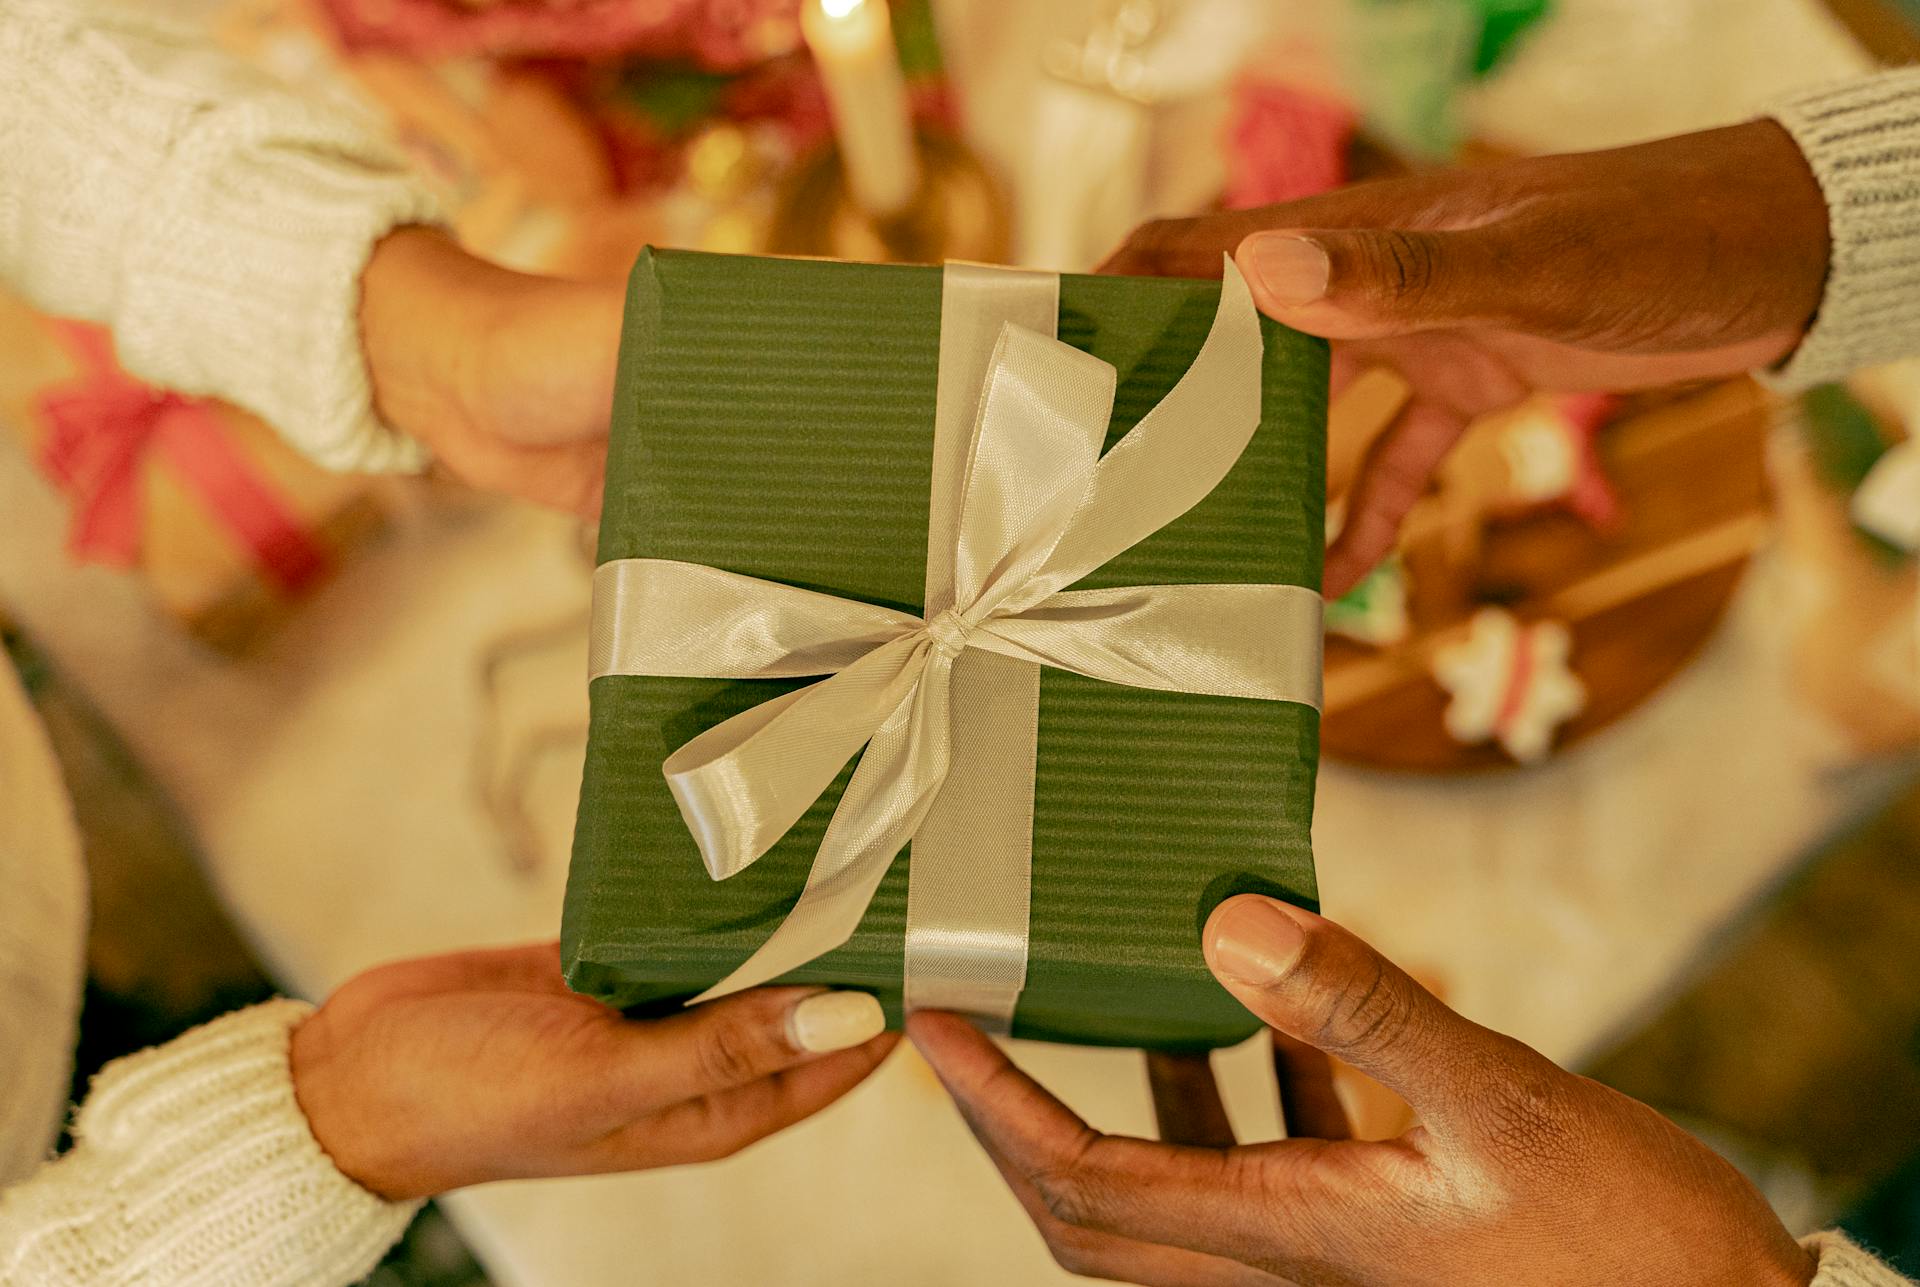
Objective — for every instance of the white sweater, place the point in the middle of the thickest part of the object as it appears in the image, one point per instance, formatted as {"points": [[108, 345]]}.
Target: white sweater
{"points": [[215, 221], [219, 225]]}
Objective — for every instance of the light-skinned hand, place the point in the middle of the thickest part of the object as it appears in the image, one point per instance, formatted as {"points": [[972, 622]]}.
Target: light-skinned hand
{"points": [[1683, 259], [433, 1074], [506, 377], [1518, 1173]]}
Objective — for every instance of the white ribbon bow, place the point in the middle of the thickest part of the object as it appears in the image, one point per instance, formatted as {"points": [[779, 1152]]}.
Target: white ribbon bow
{"points": [[945, 704]]}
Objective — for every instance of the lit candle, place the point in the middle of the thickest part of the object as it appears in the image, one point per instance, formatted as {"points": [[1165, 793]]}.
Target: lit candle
{"points": [[852, 43]]}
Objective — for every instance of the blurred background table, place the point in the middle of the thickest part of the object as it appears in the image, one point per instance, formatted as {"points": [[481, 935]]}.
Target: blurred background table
{"points": [[331, 776]]}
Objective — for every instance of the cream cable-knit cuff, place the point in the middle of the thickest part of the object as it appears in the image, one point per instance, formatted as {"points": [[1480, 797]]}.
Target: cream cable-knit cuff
{"points": [[193, 1163], [1842, 1264], [217, 221], [243, 277], [1862, 140]]}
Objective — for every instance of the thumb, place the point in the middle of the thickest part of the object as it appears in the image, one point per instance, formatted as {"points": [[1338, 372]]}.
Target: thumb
{"points": [[1316, 982], [1365, 283]]}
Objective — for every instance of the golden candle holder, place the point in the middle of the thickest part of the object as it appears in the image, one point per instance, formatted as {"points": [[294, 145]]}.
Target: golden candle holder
{"points": [[959, 212]]}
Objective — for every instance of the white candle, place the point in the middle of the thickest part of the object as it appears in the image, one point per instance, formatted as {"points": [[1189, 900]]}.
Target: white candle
{"points": [[852, 43]]}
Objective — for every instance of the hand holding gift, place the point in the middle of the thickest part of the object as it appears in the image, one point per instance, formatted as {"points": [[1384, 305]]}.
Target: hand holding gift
{"points": [[427, 1075], [1519, 1172], [1481, 286], [506, 377]]}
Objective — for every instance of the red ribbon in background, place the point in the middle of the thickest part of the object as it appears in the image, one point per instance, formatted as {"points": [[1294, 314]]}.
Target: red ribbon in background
{"points": [[102, 429]]}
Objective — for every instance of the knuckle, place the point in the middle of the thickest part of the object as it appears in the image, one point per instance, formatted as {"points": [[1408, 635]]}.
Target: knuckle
{"points": [[728, 1054], [1404, 265], [1071, 1192], [1529, 1118], [1370, 1010], [1064, 1195], [718, 1131]]}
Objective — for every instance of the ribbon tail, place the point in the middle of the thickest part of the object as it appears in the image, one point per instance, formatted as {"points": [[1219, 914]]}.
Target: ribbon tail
{"points": [[743, 783], [889, 794], [665, 617], [1259, 641], [1178, 452]]}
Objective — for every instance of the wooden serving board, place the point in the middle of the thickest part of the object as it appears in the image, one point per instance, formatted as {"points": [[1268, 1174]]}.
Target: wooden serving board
{"points": [[1639, 600]]}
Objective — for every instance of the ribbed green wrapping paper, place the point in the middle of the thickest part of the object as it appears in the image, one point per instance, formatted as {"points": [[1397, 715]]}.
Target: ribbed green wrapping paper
{"points": [[775, 418]]}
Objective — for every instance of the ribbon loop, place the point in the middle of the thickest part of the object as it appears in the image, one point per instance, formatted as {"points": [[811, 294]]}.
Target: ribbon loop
{"points": [[1036, 444], [743, 783]]}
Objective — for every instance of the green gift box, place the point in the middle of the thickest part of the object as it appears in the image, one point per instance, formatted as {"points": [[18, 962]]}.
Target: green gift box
{"points": [[774, 418]]}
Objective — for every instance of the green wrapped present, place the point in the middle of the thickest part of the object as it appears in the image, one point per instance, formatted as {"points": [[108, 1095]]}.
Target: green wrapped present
{"points": [[1108, 724]]}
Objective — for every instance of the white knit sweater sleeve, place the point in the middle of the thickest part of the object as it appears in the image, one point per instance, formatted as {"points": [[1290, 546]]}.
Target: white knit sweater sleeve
{"points": [[1844, 1265], [216, 221], [1862, 140], [194, 1164]]}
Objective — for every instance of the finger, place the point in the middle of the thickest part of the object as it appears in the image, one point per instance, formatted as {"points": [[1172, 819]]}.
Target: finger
{"points": [[1394, 474], [1193, 247], [1186, 1099], [531, 967], [1365, 404], [569, 333], [1313, 980], [1107, 1255], [1216, 1201], [1365, 283], [719, 1125], [1309, 1105], [738, 1040], [568, 476]]}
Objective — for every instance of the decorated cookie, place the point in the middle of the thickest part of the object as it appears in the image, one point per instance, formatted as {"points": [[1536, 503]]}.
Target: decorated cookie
{"points": [[1375, 611], [1887, 504], [1551, 456], [1510, 683], [1541, 455]]}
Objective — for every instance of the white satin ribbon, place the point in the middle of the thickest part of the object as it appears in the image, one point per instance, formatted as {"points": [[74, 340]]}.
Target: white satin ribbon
{"points": [[1023, 505]]}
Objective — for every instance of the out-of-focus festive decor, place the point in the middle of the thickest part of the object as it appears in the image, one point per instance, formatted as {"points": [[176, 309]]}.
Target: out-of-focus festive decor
{"points": [[1406, 62], [1375, 611], [958, 212], [720, 35], [853, 50], [869, 194], [224, 522], [1286, 142], [1855, 621], [1542, 454], [1510, 683], [1634, 595], [564, 138], [1502, 24]]}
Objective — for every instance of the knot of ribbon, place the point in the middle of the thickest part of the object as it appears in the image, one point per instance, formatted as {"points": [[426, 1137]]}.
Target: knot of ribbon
{"points": [[102, 429], [945, 704], [949, 632]]}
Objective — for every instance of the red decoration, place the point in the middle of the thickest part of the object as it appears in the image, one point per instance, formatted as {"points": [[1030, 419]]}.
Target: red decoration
{"points": [[1591, 497], [719, 35], [103, 429], [1285, 143]]}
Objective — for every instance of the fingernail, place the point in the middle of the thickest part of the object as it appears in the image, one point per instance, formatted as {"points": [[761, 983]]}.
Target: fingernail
{"points": [[1293, 270], [1251, 940], [835, 1021]]}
